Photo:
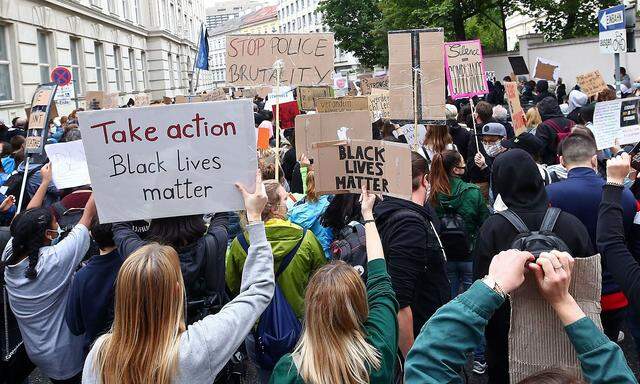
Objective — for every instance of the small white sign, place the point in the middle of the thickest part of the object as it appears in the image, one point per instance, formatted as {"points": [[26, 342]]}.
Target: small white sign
{"points": [[616, 121], [69, 165]]}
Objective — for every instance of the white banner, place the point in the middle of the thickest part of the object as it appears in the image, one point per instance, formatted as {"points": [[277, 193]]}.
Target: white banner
{"points": [[174, 160], [68, 163], [616, 120]]}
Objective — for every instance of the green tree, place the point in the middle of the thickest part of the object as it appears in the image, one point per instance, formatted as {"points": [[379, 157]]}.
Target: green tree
{"points": [[565, 19], [355, 27]]}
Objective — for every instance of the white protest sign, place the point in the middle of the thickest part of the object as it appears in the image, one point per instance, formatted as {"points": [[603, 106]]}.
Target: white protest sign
{"points": [[616, 120], [286, 95], [68, 164], [174, 160]]}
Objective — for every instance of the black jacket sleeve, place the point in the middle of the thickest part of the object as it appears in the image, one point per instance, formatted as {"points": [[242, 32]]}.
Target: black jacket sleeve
{"points": [[216, 247], [126, 239], [611, 244], [406, 257]]}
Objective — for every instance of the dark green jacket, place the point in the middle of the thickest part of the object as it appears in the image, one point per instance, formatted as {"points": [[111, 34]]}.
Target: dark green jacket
{"points": [[466, 200], [381, 330], [441, 349]]}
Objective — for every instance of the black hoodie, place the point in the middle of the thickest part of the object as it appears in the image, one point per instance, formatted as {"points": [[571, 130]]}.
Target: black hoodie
{"points": [[414, 259], [553, 123], [515, 176]]}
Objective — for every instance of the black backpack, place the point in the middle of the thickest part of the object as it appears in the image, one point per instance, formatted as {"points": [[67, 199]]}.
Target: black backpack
{"points": [[453, 233], [350, 246], [536, 242]]}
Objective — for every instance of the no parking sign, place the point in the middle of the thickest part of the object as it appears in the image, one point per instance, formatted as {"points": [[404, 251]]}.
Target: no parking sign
{"points": [[61, 76]]}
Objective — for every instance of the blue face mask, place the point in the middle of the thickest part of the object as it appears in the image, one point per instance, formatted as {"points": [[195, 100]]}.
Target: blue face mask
{"points": [[58, 232]]}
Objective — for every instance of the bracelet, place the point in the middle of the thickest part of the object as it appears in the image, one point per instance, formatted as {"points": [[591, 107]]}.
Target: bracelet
{"points": [[614, 184], [368, 221]]}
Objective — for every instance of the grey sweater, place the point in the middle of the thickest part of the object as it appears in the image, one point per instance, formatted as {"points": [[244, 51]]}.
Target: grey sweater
{"points": [[207, 345]]}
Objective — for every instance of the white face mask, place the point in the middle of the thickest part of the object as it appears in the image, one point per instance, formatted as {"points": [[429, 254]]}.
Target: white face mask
{"points": [[493, 149]]}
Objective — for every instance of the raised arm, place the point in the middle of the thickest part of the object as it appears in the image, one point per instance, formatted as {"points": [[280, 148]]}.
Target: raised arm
{"points": [[456, 329], [221, 334], [41, 192]]}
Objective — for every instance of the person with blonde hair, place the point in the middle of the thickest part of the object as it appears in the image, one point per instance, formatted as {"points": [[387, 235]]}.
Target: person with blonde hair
{"points": [[149, 342], [533, 118], [350, 331], [294, 247]]}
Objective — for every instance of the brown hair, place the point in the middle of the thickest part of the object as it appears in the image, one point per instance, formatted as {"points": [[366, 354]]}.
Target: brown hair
{"points": [[419, 168], [311, 196], [484, 111], [442, 167], [438, 138], [552, 376], [333, 346], [606, 95], [273, 209]]}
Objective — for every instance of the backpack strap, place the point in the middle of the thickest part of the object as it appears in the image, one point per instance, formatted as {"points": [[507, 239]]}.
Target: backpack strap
{"points": [[550, 218], [243, 242], [59, 208], [289, 256], [515, 220]]}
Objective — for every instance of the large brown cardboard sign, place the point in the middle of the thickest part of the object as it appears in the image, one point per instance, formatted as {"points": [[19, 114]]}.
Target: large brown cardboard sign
{"points": [[101, 100], [215, 94], [308, 59], [379, 104], [346, 166], [342, 104], [546, 69], [537, 339], [330, 127], [517, 113], [368, 83], [307, 96], [431, 83], [591, 83]]}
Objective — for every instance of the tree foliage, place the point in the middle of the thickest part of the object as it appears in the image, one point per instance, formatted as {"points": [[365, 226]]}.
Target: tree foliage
{"points": [[565, 19]]}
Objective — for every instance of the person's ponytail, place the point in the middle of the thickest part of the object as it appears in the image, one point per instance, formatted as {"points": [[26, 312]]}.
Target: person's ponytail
{"points": [[28, 231], [442, 167]]}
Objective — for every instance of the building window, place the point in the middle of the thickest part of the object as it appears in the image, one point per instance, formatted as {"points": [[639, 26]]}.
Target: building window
{"points": [[99, 56], [74, 47], [132, 70], [97, 3], [178, 73], [111, 5], [117, 64], [143, 61], [44, 58], [172, 19], [136, 11], [171, 80], [125, 9], [5, 66], [165, 14]]}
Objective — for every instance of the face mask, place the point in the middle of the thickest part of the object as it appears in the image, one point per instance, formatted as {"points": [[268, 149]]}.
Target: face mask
{"points": [[56, 239], [493, 149]]}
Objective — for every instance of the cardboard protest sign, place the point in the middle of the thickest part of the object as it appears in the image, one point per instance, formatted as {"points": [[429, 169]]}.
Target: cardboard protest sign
{"points": [[68, 164], [307, 96], [180, 99], [166, 161], [141, 99], [616, 122], [430, 80], [348, 165], [215, 94], [288, 113], [249, 93], [546, 345], [308, 59], [464, 69], [368, 83], [491, 76], [517, 113], [330, 127], [342, 104], [379, 104], [40, 113], [546, 69], [518, 65], [100, 100], [591, 83]]}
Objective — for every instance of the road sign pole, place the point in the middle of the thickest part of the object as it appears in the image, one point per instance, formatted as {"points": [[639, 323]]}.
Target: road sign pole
{"points": [[75, 92], [616, 63]]}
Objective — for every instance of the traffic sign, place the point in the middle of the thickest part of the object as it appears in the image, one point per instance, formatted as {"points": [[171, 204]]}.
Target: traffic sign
{"points": [[61, 76], [613, 38]]}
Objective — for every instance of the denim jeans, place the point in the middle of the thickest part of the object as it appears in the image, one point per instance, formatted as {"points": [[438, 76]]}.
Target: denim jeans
{"points": [[459, 273]]}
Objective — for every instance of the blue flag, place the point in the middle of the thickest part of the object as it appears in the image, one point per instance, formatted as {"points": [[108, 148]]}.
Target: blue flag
{"points": [[202, 61]]}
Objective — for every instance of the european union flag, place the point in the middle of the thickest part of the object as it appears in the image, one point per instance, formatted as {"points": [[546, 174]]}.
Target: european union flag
{"points": [[202, 61]]}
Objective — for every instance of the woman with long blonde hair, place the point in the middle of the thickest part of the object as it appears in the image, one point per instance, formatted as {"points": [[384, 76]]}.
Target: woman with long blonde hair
{"points": [[149, 343], [350, 333]]}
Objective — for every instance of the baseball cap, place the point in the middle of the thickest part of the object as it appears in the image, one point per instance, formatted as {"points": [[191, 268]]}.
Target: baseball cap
{"points": [[493, 129]]}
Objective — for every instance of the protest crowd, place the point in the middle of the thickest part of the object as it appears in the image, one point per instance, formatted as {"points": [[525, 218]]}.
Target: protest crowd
{"points": [[358, 282]]}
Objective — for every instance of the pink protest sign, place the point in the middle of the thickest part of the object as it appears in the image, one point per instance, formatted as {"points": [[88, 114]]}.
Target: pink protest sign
{"points": [[464, 69]]}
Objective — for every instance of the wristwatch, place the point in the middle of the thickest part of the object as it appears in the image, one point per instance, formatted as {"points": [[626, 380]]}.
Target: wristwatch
{"points": [[492, 284]]}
